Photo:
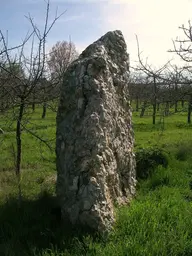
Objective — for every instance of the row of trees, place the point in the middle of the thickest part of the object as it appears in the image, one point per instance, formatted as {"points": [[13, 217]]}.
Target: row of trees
{"points": [[161, 93], [37, 81], [30, 78], [166, 86]]}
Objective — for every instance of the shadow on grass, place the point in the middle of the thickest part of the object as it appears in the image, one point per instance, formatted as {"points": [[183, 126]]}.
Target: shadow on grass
{"points": [[34, 227]]}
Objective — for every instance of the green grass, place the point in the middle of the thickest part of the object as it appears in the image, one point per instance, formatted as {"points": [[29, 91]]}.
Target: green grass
{"points": [[157, 222]]}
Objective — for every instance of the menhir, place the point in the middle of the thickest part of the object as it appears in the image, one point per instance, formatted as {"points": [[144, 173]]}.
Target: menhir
{"points": [[94, 147]]}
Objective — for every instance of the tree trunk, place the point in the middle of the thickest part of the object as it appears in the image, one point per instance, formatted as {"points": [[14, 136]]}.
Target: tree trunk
{"points": [[182, 103], [19, 149], [189, 110], [154, 113], [176, 107], [137, 104], [176, 95], [44, 110], [33, 106], [143, 109], [2, 102], [154, 100], [158, 105], [167, 108]]}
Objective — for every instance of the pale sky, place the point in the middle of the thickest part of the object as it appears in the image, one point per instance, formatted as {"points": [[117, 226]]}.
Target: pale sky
{"points": [[155, 22]]}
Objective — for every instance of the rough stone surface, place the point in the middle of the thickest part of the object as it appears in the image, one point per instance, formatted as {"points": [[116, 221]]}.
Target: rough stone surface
{"points": [[95, 159]]}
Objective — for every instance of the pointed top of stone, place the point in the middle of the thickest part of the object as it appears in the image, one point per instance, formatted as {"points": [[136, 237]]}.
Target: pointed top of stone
{"points": [[112, 42], [115, 35]]}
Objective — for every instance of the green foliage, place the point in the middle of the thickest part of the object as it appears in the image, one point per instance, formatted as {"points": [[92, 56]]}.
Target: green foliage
{"points": [[147, 159], [183, 151]]}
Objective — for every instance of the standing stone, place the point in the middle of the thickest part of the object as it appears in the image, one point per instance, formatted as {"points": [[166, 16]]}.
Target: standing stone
{"points": [[94, 148]]}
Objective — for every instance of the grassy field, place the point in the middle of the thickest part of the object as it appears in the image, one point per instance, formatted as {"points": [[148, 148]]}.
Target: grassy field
{"points": [[158, 221]]}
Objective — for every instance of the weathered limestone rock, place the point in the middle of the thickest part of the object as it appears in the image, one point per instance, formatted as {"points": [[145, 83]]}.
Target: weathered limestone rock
{"points": [[95, 159]]}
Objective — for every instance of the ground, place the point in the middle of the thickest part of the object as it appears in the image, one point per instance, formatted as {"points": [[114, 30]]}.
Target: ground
{"points": [[158, 221]]}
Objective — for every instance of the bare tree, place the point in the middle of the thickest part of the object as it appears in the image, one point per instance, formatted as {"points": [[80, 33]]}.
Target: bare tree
{"points": [[140, 89], [183, 48], [157, 79], [57, 62], [20, 78], [59, 58], [171, 83]]}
